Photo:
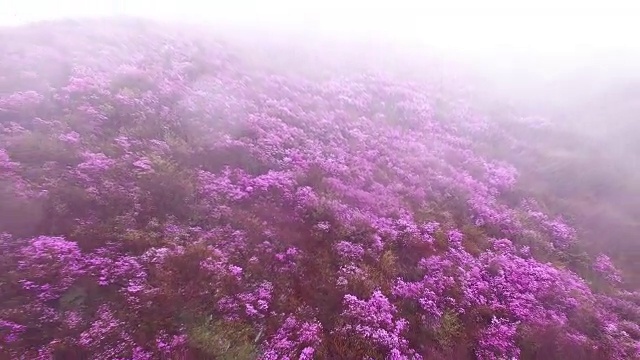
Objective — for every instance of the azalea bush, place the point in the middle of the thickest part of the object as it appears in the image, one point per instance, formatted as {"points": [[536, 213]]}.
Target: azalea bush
{"points": [[161, 198]]}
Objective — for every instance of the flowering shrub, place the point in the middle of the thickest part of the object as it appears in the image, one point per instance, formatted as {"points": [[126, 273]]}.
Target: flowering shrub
{"points": [[373, 320], [194, 207], [605, 268]]}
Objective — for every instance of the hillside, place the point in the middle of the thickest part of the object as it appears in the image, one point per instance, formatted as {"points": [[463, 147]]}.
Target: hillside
{"points": [[164, 196]]}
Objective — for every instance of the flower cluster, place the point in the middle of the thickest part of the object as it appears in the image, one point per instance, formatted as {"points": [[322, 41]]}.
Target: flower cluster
{"points": [[294, 339], [605, 267], [375, 320]]}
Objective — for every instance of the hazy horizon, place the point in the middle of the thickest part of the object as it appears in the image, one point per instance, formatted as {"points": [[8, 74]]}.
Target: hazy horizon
{"points": [[548, 29]]}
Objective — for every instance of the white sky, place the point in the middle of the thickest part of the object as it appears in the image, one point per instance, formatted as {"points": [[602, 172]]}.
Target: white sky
{"points": [[545, 27]]}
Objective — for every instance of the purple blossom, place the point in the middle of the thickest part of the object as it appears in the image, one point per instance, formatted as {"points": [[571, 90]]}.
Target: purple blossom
{"points": [[375, 321], [455, 238], [5, 162], [323, 226], [143, 164], [307, 353], [11, 330], [95, 162], [349, 251], [50, 265], [170, 345], [123, 142], [70, 137], [431, 227], [502, 176], [295, 338], [605, 267], [497, 341], [252, 304], [563, 234]]}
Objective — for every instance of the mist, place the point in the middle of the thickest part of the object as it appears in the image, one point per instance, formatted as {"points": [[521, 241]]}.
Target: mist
{"points": [[548, 53]]}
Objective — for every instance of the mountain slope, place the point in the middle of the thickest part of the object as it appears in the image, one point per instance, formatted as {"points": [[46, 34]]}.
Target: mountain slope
{"points": [[163, 198]]}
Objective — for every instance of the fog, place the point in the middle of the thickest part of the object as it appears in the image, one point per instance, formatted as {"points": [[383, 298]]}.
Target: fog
{"points": [[547, 29], [536, 43], [574, 62], [563, 60]]}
